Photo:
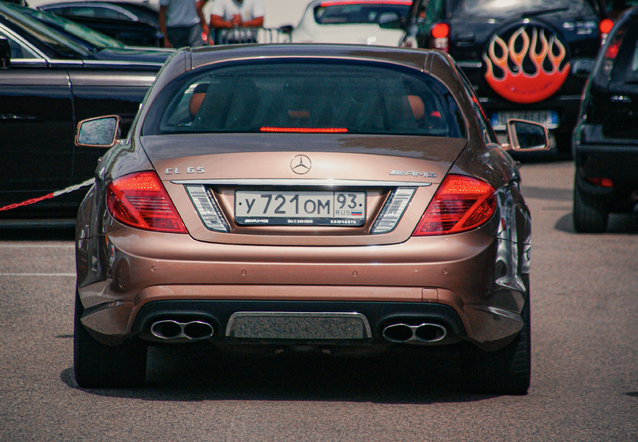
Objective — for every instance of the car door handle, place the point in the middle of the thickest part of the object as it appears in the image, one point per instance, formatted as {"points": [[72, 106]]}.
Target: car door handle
{"points": [[466, 39]]}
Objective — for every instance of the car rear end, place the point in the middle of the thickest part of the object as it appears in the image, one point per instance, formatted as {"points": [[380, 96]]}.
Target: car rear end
{"points": [[304, 201], [606, 137]]}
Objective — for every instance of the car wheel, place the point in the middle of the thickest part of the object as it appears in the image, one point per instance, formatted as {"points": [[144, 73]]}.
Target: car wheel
{"points": [[97, 365], [588, 219], [505, 371]]}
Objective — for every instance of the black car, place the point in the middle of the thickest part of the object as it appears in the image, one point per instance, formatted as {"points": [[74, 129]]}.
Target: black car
{"points": [[525, 58], [91, 39], [135, 24], [49, 82], [606, 137]]}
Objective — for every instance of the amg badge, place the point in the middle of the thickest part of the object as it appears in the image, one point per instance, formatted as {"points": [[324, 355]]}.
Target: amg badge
{"points": [[413, 173]]}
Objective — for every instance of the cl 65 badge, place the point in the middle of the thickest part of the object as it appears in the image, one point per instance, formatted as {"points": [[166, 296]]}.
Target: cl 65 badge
{"points": [[189, 170]]}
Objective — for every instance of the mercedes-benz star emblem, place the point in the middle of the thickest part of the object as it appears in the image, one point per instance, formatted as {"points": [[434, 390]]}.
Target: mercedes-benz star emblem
{"points": [[300, 164]]}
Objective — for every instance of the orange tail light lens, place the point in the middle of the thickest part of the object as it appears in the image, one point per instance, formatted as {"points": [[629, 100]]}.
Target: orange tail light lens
{"points": [[440, 33], [440, 30], [140, 200], [605, 26], [461, 203]]}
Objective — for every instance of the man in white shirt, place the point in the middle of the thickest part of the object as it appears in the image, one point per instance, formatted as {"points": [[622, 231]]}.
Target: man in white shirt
{"points": [[228, 14], [182, 23]]}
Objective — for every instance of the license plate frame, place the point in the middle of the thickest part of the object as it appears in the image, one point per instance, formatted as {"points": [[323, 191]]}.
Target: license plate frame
{"points": [[547, 117], [335, 208]]}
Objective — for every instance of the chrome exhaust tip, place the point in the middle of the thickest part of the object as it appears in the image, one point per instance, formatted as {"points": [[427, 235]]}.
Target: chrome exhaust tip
{"points": [[426, 333], [169, 330]]}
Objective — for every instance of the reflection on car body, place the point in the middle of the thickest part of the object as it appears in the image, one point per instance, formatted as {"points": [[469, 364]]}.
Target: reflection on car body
{"points": [[52, 81], [330, 197]]}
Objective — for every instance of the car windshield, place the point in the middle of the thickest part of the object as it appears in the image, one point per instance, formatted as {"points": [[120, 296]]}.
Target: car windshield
{"points": [[498, 8], [304, 97], [351, 12], [40, 31], [96, 39]]}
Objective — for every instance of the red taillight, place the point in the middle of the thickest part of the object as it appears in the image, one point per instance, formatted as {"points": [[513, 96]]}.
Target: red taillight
{"points": [[440, 30], [140, 200], [601, 182], [440, 33], [604, 28], [605, 25], [612, 50], [461, 203], [310, 130]]}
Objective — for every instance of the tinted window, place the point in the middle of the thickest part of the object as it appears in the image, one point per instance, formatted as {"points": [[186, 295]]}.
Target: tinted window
{"points": [[17, 50], [305, 97], [621, 56], [352, 12], [496, 8]]}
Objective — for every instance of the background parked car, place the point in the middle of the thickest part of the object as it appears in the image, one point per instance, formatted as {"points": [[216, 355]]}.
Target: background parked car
{"points": [[370, 22], [135, 24], [91, 39], [606, 136], [525, 58], [48, 83]]}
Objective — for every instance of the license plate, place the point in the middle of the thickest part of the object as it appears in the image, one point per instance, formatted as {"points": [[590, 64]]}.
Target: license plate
{"points": [[548, 118], [338, 208]]}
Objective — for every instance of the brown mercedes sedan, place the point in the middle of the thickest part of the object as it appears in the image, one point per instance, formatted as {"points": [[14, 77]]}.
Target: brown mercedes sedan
{"points": [[349, 199]]}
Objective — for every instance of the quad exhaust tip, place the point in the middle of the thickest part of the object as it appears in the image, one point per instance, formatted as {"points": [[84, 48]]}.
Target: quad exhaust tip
{"points": [[426, 333], [171, 330]]}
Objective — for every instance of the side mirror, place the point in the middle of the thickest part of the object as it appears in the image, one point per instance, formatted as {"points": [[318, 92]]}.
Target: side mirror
{"points": [[527, 136], [389, 20], [5, 53], [98, 132]]}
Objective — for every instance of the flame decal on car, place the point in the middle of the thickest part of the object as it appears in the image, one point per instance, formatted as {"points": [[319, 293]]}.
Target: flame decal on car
{"points": [[526, 69]]}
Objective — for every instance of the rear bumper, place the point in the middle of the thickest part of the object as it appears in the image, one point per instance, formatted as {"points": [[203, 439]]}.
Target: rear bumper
{"points": [[433, 280], [617, 162]]}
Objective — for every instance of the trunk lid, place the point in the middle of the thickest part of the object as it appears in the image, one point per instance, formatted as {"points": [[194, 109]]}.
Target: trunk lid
{"points": [[301, 189]]}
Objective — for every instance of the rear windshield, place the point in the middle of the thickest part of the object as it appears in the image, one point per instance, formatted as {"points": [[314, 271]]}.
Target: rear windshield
{"points": [[340, 12], [306, 97], [499, 8]]}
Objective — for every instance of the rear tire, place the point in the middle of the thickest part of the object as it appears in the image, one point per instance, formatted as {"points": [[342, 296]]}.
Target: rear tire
{"points": [[505, 371], [588, 219], [97, 365]]}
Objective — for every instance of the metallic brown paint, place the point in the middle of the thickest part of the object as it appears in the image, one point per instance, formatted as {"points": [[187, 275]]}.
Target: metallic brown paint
{"points": [[477, 277]]}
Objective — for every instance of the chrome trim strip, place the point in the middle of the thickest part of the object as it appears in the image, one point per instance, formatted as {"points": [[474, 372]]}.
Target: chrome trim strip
{"points": [[121, 63], [302, 182], [470, 64]]}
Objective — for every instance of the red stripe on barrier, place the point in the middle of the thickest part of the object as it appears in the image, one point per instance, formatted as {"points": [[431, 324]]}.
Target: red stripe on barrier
{"points": [[47, 196]]}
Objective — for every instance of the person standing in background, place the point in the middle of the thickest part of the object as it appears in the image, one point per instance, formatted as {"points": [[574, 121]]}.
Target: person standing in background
{"points": [[237, 14], [182, 23]]}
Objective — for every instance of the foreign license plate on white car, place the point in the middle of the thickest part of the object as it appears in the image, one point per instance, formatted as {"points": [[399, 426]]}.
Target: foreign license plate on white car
{"points": [[338, 208], [548, 118]]}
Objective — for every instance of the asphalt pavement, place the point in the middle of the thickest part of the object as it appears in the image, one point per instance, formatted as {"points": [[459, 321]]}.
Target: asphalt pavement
{"points": [[584, 340]]}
